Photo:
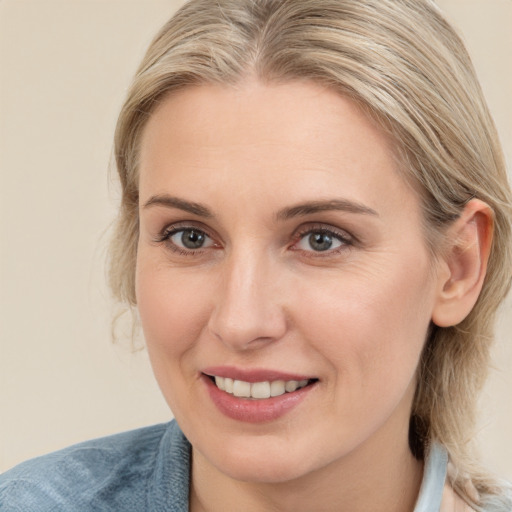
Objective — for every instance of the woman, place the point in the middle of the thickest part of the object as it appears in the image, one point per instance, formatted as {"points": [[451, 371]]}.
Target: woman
{"points": [[315, 231]]}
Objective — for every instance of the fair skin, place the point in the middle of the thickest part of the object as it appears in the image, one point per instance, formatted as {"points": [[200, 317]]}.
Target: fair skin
{"points": [[277, 237]]}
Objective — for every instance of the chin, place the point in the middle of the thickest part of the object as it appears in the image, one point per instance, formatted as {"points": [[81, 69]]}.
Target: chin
{"points": [[261, 470], [261, 460]]}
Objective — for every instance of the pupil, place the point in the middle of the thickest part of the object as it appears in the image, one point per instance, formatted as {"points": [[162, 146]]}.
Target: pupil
{"points": [[320, 241], [192, 239]]}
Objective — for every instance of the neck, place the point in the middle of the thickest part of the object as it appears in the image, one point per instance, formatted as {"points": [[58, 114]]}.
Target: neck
{"points": [[376, 476]]}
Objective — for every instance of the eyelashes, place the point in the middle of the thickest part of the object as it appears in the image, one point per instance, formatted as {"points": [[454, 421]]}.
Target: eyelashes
{"points": [[186, 240], [191, 239], [322, 240], [315, 240]]}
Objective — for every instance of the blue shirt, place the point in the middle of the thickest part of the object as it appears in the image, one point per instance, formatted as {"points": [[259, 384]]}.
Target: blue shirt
{"points": [[143, 470]]}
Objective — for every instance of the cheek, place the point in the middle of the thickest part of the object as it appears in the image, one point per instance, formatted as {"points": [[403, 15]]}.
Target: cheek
{"points": [[174, 308], [370, 326]]}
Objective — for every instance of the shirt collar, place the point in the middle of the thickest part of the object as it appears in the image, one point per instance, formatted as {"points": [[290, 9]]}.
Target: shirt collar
{"points": [[434, 477]]}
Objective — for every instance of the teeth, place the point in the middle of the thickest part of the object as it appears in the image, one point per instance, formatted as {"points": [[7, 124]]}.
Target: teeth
{"points": [[291, 385], [258, 390], [277, 388], [220, 382], [228, 385], [241, 389]]}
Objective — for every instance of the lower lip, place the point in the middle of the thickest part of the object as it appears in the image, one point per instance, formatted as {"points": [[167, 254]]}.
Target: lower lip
{"points": [[255, 411]]}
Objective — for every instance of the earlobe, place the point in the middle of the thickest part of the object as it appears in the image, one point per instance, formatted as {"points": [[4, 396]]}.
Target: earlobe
{"points": [[463, 264]]}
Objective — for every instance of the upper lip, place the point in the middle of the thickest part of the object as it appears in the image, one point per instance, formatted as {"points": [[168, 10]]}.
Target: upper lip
{"points": [[253, 374]]}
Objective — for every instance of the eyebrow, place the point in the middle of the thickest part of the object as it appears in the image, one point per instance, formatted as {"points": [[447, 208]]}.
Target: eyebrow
{"points": [[287, 213], [175, 202], [323, 206]]}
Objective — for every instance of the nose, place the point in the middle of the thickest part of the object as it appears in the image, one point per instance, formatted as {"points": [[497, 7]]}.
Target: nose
{"points": [[249, 310]]}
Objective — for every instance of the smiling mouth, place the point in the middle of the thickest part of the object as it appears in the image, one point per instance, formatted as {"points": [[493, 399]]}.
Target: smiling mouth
{"points": [[259, 390]]}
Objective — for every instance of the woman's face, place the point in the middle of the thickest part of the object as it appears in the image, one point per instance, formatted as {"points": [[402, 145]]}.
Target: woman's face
{"points": [[278, 247]]}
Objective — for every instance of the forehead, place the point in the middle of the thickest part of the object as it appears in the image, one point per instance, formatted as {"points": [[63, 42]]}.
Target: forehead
{"points": [[255, 112], [299, 137]]}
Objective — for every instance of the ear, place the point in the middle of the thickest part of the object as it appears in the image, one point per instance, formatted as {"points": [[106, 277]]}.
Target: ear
{"points": [[463, 264]]}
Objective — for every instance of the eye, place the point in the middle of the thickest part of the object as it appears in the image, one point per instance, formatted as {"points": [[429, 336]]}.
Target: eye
{"points": [[187, 239], [322, 240]]}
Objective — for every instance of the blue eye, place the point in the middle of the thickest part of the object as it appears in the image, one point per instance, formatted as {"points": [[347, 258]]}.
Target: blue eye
{"points": [[321, 241], [190, 238]]}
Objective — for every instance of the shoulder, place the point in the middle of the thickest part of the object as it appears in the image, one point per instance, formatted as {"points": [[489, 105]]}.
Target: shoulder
{"points": [[437, 493], [500, 501], [111, 473], [452, 502]]}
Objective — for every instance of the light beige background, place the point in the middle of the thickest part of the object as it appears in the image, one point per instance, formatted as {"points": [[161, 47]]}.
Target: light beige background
{"points": [[64, 69]]}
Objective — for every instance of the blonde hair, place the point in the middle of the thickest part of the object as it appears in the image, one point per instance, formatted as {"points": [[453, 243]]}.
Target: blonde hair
{"points": [[405, 65]]}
